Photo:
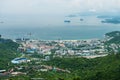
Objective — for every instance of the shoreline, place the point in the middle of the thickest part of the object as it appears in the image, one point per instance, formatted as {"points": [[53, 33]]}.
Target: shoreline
{"points": [[62, 39]]}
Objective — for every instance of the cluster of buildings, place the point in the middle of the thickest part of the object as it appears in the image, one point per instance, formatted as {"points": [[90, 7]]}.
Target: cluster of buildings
{"points": [[57, 48], [113, 48], [82, 48], [63, 47]]}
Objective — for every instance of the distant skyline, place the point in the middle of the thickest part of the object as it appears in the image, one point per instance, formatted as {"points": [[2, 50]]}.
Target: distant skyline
{"points": [[22, 12]]}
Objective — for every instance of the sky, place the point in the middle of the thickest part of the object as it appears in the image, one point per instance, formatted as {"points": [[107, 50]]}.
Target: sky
{"points": [[12, 10]]}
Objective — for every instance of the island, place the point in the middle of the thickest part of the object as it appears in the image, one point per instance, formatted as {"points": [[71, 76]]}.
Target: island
{"points": [[67, 21], [112, 21], [81, 19]]}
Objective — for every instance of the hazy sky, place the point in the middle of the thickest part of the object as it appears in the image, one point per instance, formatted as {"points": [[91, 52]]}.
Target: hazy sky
{"points": [[35, 8], [56, 6]]}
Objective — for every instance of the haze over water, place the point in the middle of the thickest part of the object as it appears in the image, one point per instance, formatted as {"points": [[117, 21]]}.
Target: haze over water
{"points": [[45, 19], [57, 29]]}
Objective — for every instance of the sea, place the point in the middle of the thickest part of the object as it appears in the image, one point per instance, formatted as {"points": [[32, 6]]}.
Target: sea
{"points": [[53, 28]]}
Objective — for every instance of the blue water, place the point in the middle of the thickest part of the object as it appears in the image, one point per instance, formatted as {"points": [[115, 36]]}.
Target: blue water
{"points": [[90, 28]]}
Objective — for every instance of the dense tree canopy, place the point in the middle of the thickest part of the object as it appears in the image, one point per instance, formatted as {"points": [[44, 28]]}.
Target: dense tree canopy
{"points": [[8, 51]]}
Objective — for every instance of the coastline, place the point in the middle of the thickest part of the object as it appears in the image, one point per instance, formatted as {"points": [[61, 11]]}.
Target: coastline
{"points": [[66, 39]]}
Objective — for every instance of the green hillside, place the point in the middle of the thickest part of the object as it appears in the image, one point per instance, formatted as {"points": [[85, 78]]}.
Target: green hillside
{"points": [[114, 37], [8, 50], [102, 68], [113, 34], [105, 68]]}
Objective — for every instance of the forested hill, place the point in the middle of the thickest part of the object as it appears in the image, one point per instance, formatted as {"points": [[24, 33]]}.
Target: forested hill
{"points": [[113, 37], [113, 34], [104, 68], [8, 51]]}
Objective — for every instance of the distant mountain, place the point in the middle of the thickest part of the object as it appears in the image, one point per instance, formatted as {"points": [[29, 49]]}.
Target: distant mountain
{"points": [[108, 16], [112, 21], [72, 15]]}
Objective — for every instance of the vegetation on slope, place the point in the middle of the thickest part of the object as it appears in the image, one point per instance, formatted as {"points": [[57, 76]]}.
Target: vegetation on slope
{"points": [[114, 37], [8, 51], [105, 68]]}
